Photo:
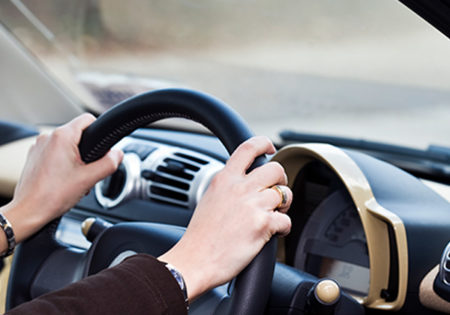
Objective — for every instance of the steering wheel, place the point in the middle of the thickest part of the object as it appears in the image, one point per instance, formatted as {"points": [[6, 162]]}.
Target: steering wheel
{"points": [[43, 253]]}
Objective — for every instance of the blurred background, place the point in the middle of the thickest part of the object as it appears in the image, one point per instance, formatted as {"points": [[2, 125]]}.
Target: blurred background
{"points": [[356, 68]]}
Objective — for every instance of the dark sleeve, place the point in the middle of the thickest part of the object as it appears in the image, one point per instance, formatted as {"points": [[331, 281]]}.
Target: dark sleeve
{"points": [[139, 285]]}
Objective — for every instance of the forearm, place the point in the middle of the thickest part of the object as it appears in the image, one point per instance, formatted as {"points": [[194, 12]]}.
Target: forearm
{"points": [[139, 285]]}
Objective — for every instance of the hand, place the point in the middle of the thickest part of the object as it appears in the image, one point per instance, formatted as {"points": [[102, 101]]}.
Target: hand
{"points": [[55, 178], [233, 221]]}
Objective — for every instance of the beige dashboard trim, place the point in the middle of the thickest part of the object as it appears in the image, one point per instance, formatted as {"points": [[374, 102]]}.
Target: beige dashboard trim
{"points": [[4, 277], [428, 297], [13, 156], [374, 218], [12, 160]]}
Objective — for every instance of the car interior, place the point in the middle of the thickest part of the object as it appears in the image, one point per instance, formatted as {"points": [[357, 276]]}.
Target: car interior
{"points": [[367, 155]]}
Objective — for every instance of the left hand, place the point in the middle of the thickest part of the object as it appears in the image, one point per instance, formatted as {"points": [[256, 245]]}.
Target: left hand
{"points": [[55, 178]]}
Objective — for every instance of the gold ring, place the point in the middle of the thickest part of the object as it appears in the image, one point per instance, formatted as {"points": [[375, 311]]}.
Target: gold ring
{"points": [[282, 193]]}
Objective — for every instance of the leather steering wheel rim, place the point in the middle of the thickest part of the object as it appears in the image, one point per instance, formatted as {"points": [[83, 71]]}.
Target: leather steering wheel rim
{"points": [[252, 286]]}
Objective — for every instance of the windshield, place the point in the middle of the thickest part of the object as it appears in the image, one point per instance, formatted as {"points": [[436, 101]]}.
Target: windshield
{"points": [[352, 68]]}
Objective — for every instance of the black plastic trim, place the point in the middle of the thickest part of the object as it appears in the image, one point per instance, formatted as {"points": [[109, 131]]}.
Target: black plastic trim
{"points": [[391, 292], [435, 12]]}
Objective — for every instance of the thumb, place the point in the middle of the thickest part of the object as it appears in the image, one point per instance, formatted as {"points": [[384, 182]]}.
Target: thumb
{"points": [[103, 167]]}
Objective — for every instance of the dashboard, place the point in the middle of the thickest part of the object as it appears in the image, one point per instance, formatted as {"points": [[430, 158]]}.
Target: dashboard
{"points": [[333, 245], [364, 223], [356, 220], [336, 233], [160, 180]]}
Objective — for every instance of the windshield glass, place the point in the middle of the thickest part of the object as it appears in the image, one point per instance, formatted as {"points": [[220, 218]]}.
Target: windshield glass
{"points": [[354, 68]]}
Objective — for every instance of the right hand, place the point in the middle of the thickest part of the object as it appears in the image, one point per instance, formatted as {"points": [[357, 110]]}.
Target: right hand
{"points": [[233, 221]]}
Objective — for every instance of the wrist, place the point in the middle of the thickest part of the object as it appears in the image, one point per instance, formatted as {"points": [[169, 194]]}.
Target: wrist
{"points": [[8, 241], [24, 219], [196, 278]]}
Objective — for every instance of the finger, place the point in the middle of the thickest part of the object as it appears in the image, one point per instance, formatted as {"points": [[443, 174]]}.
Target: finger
{"points": [[82, 122], [245, 154], [76, 126], [103, 167], [271, 199], [281, 223], [268, 175]]}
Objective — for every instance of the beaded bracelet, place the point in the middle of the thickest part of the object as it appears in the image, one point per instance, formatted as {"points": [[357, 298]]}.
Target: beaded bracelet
{"points": [[10, 238]]}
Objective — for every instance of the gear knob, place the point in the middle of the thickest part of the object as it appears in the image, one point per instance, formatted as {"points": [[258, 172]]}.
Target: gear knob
{"points": [[92, 227], [323, 297], [327, 291]]}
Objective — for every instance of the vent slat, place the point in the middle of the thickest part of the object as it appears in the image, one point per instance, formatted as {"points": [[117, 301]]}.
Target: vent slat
{"points": [[164, 169], [157, 178], [169, 193], [185, 165], [191, 158], [164, 186]]}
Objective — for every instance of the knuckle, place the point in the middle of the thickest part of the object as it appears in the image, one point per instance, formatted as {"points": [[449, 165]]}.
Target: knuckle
{"points": [[58, 134], [288, 221], [88, 116], [84, 119], [277, 172], [277, 168], [263, 223], [254, 144], [265, 140], [248, 146], [41, 138], [288, 224]]}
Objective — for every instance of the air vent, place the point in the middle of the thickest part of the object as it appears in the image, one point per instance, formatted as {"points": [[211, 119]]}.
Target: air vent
{"points": [[158, 172], [173, 178]]}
